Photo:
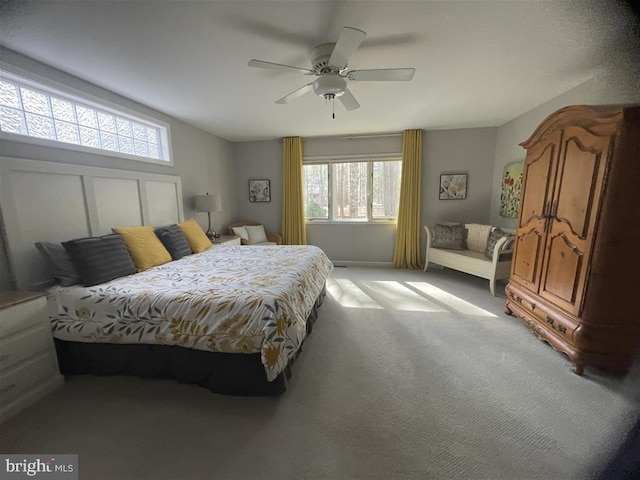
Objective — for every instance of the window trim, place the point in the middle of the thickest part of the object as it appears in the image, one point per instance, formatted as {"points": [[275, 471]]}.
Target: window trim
{"points": [[53, 88], [370, 159]]}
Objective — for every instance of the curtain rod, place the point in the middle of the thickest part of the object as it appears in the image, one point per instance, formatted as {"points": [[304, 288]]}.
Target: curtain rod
{"points": [[350, 137]]}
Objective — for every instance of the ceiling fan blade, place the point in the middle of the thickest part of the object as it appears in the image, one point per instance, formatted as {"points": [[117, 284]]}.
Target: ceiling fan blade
{"points": [[348, 42], [382, 75], [348, 100], [295, 94], [278, 66]]}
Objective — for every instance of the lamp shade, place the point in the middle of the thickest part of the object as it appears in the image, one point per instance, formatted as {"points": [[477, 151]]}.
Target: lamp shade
{"points": [[208, 203]]}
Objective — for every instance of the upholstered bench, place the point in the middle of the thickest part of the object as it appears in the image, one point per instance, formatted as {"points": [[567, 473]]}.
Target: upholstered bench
{"points": [[480, 250]]}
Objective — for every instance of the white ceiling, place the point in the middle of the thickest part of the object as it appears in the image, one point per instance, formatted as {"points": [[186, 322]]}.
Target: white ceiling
{"points": [[478, 63]]}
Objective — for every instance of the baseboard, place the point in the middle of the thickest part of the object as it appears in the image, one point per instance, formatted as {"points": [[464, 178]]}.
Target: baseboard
{"points": [[347, 263]]}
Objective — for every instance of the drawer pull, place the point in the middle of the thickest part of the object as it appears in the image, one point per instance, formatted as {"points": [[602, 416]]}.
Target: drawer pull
{"points": [[8, 388], [560, 328]]}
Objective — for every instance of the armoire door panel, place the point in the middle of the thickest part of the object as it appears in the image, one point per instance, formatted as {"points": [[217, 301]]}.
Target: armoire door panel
{"points": [[578, 183], [524, 267], [539, 171], [538, 178], [563, 272]]}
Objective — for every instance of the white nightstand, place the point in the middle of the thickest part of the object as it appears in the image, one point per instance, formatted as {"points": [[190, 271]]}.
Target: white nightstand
{"points": [[28, 362], [226, 240]]}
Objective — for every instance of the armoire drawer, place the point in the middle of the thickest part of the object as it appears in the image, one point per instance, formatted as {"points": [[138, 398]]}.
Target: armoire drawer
{"points": [[24, 344], [547, 318]]}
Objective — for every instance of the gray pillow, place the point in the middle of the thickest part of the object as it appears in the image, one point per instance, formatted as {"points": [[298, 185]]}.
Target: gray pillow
{"points": [[449, 236], [60, 265], [100, 259], [494, 236], [174, 240]]}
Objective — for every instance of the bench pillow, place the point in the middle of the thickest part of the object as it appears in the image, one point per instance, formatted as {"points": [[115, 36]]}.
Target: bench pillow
{"points": [[494, 236], [478, 236], [451, 237]]}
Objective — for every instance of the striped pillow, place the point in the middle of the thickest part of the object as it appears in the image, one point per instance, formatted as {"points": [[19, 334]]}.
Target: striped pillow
{"points": [[477, 236], [100, 259], [173, 239]]}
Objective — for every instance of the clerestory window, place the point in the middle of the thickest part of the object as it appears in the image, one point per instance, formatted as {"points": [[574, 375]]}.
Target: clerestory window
{"points": [[37, 113]]}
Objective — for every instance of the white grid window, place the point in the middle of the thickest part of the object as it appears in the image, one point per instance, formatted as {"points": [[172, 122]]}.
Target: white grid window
{"points": [[341, 190], [41, 112]]}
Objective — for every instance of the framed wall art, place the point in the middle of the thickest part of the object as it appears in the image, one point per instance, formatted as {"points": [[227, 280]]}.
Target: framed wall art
{"points": [[511, 187], [259, 191], [453, 186]]}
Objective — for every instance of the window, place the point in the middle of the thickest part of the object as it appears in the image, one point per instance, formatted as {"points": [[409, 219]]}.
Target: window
{"points": [[352, 191], [39, 113]]}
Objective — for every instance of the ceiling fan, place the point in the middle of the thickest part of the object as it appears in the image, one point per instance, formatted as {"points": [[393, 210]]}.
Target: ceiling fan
{"points": [[329, 62]]}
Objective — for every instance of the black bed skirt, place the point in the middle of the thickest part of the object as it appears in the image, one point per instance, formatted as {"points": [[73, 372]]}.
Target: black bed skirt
{"points": [[226, 373]]}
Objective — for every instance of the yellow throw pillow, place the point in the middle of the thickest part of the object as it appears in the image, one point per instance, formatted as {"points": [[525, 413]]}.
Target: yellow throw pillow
{"points": [[144, 246], [196, 237]]}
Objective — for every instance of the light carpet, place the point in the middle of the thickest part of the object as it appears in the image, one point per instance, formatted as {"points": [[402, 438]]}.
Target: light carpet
{"points": [[407, 375]]}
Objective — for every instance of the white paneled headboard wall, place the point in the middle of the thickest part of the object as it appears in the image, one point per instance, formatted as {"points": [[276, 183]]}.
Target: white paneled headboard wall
{"points": [[54, 202]]}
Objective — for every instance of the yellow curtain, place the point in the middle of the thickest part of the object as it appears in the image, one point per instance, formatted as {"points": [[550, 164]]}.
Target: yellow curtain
{"points": [[294, 230], [407, 249]]}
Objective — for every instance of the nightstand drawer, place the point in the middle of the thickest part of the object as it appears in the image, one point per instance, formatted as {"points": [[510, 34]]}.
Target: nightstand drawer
{"points": [[26, 377], [27, 343], [23, 315]]}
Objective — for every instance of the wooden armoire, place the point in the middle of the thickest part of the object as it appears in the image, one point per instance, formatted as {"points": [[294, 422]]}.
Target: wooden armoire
{"points": [[575, 275]]}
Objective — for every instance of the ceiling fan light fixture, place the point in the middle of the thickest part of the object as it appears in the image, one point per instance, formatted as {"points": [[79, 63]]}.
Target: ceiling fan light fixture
{"points": [[329, 84], [329, 62]]}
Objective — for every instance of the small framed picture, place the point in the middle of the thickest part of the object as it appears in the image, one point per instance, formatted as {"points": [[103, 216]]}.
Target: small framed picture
{"points": [[259, 191], [453, 186]]}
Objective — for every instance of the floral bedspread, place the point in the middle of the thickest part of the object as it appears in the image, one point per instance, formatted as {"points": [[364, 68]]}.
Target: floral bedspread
{"points": [[233, 299]]}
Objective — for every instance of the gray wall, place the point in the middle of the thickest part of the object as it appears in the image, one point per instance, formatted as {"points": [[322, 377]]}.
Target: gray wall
{"points": [[469, 150], [203, 161], [258, 161]]}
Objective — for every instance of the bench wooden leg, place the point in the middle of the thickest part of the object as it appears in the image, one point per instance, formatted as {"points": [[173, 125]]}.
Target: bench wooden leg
{"points": [[492, 286]]}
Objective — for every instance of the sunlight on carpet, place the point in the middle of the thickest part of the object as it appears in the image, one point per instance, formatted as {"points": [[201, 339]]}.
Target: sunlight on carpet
{"points": [[394, 295], [456, 303]]}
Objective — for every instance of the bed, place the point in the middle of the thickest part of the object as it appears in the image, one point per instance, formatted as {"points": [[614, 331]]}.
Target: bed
{"points": [[232, 319]]}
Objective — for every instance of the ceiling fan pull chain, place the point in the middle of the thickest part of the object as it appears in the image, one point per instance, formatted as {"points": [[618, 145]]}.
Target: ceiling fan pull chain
{"points": [[333, 106]]}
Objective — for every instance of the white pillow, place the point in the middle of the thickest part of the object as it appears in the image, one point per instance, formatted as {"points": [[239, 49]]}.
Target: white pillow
{"points": [[241, 232], [256, 233]]}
